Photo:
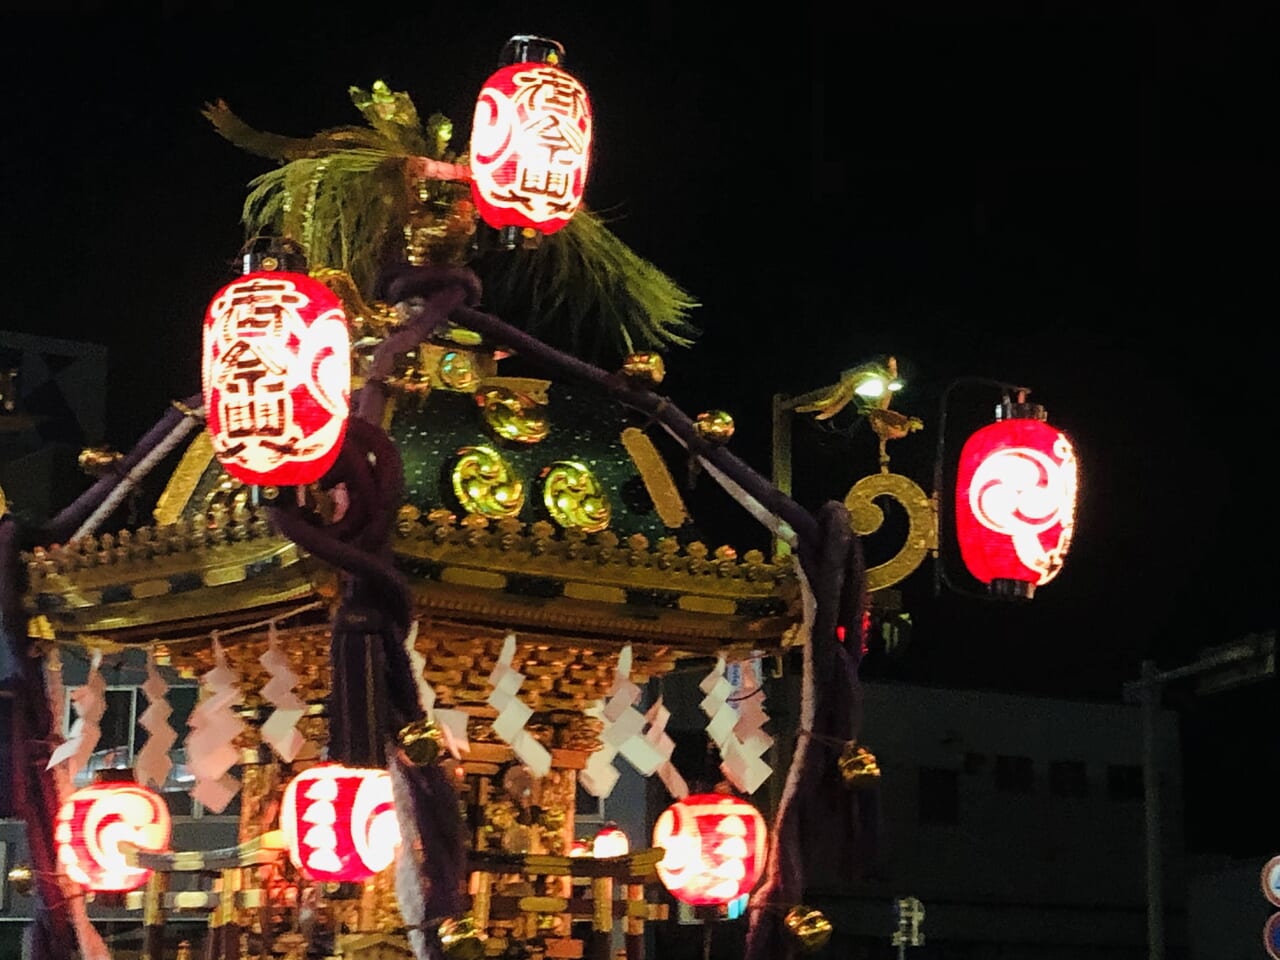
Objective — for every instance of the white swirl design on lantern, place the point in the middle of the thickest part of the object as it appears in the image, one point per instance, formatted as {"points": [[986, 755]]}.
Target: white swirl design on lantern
{"points": [[375, 831], [1020, 493], [95, 822]]}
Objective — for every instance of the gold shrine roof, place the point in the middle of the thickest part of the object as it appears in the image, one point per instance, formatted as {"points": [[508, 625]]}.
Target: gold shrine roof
{"points": [[231, 567], [529, 505]]}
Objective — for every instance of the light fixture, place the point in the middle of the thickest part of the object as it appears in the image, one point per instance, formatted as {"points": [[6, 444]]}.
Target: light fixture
{"points": [[1015, 500], [714, 847], [95, 824], [530, 140], [610, 841], [276, 371], [339, 823]]}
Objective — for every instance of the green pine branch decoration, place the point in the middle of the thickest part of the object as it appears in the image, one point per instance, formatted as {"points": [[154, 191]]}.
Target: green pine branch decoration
{"points": [[346, 195]]}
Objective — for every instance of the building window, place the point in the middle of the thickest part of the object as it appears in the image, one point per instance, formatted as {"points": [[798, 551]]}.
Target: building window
{"points": [[939, 800], [1068, 778], [1124, 782], [587, 808], [1013, 774]]}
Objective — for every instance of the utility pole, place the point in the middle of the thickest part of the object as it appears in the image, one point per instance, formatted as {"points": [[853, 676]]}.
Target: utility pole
{"points": [[1230, 665]]}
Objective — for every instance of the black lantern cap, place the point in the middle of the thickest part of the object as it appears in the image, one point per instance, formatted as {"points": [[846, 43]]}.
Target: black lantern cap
{"points": [[273, 253], [526, 48]]}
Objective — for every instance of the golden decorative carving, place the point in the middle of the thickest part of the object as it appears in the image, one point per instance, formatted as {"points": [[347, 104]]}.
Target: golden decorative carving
{"points": [[810, 927], [858, 766], [714, 426], [513, 416], [646, 369], [657, 478], [865, 517], [574, 497], [484, 484], [457, 370], [184, 479]]}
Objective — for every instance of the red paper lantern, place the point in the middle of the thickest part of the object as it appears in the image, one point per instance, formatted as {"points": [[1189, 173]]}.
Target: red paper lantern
{"points": [[1016, 501], [530, 145], [610, 841], [94, 822], [715, 848], [339, 822], [276, 377]]}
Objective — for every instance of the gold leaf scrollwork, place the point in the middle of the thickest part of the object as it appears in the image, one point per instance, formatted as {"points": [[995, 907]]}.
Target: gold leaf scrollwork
{"points": [[574, 497], [513, 416], [484, 484], [865, 517]]}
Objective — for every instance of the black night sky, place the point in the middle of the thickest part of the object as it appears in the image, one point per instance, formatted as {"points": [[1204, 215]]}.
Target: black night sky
{"points": [[1058, 195]]}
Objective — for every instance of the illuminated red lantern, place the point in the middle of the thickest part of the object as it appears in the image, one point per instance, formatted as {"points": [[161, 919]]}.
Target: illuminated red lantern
{"points": [[94, 823], [530, 141], [1016, 501], [714, 848], [339, 823], [276, 377], [610, 841]]}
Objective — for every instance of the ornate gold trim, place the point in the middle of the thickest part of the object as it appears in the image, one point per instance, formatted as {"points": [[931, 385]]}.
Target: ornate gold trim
{"points": [[866, 517], [657, 478], [184, 479]]}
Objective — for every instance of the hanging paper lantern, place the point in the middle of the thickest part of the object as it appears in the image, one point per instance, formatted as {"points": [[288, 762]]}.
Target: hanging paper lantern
{"points": [[530, 144], [339, 822], [1016, 501], [276, 377], [610, 841], [94, 823], [715, 848]]}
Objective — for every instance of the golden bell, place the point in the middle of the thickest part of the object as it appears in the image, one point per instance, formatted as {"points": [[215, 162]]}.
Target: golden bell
{"points": [[461, 939], [714, 426], [21, 879], [810, 928], [645, 368], [420, 742], [858, 766]]}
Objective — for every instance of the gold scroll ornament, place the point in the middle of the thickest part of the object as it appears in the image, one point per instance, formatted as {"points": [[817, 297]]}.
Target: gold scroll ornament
{"points": [[485, 484], [574, 497], [865, 517]]}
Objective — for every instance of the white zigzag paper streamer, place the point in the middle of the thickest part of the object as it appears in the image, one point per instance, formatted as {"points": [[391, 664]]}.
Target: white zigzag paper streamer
{"points": [[90, 703], [152, 765], [211, 749], [513, 713], [281, 728], [742, 757], [623, 733], [736, 727], [452, 724], [656, 717]]}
